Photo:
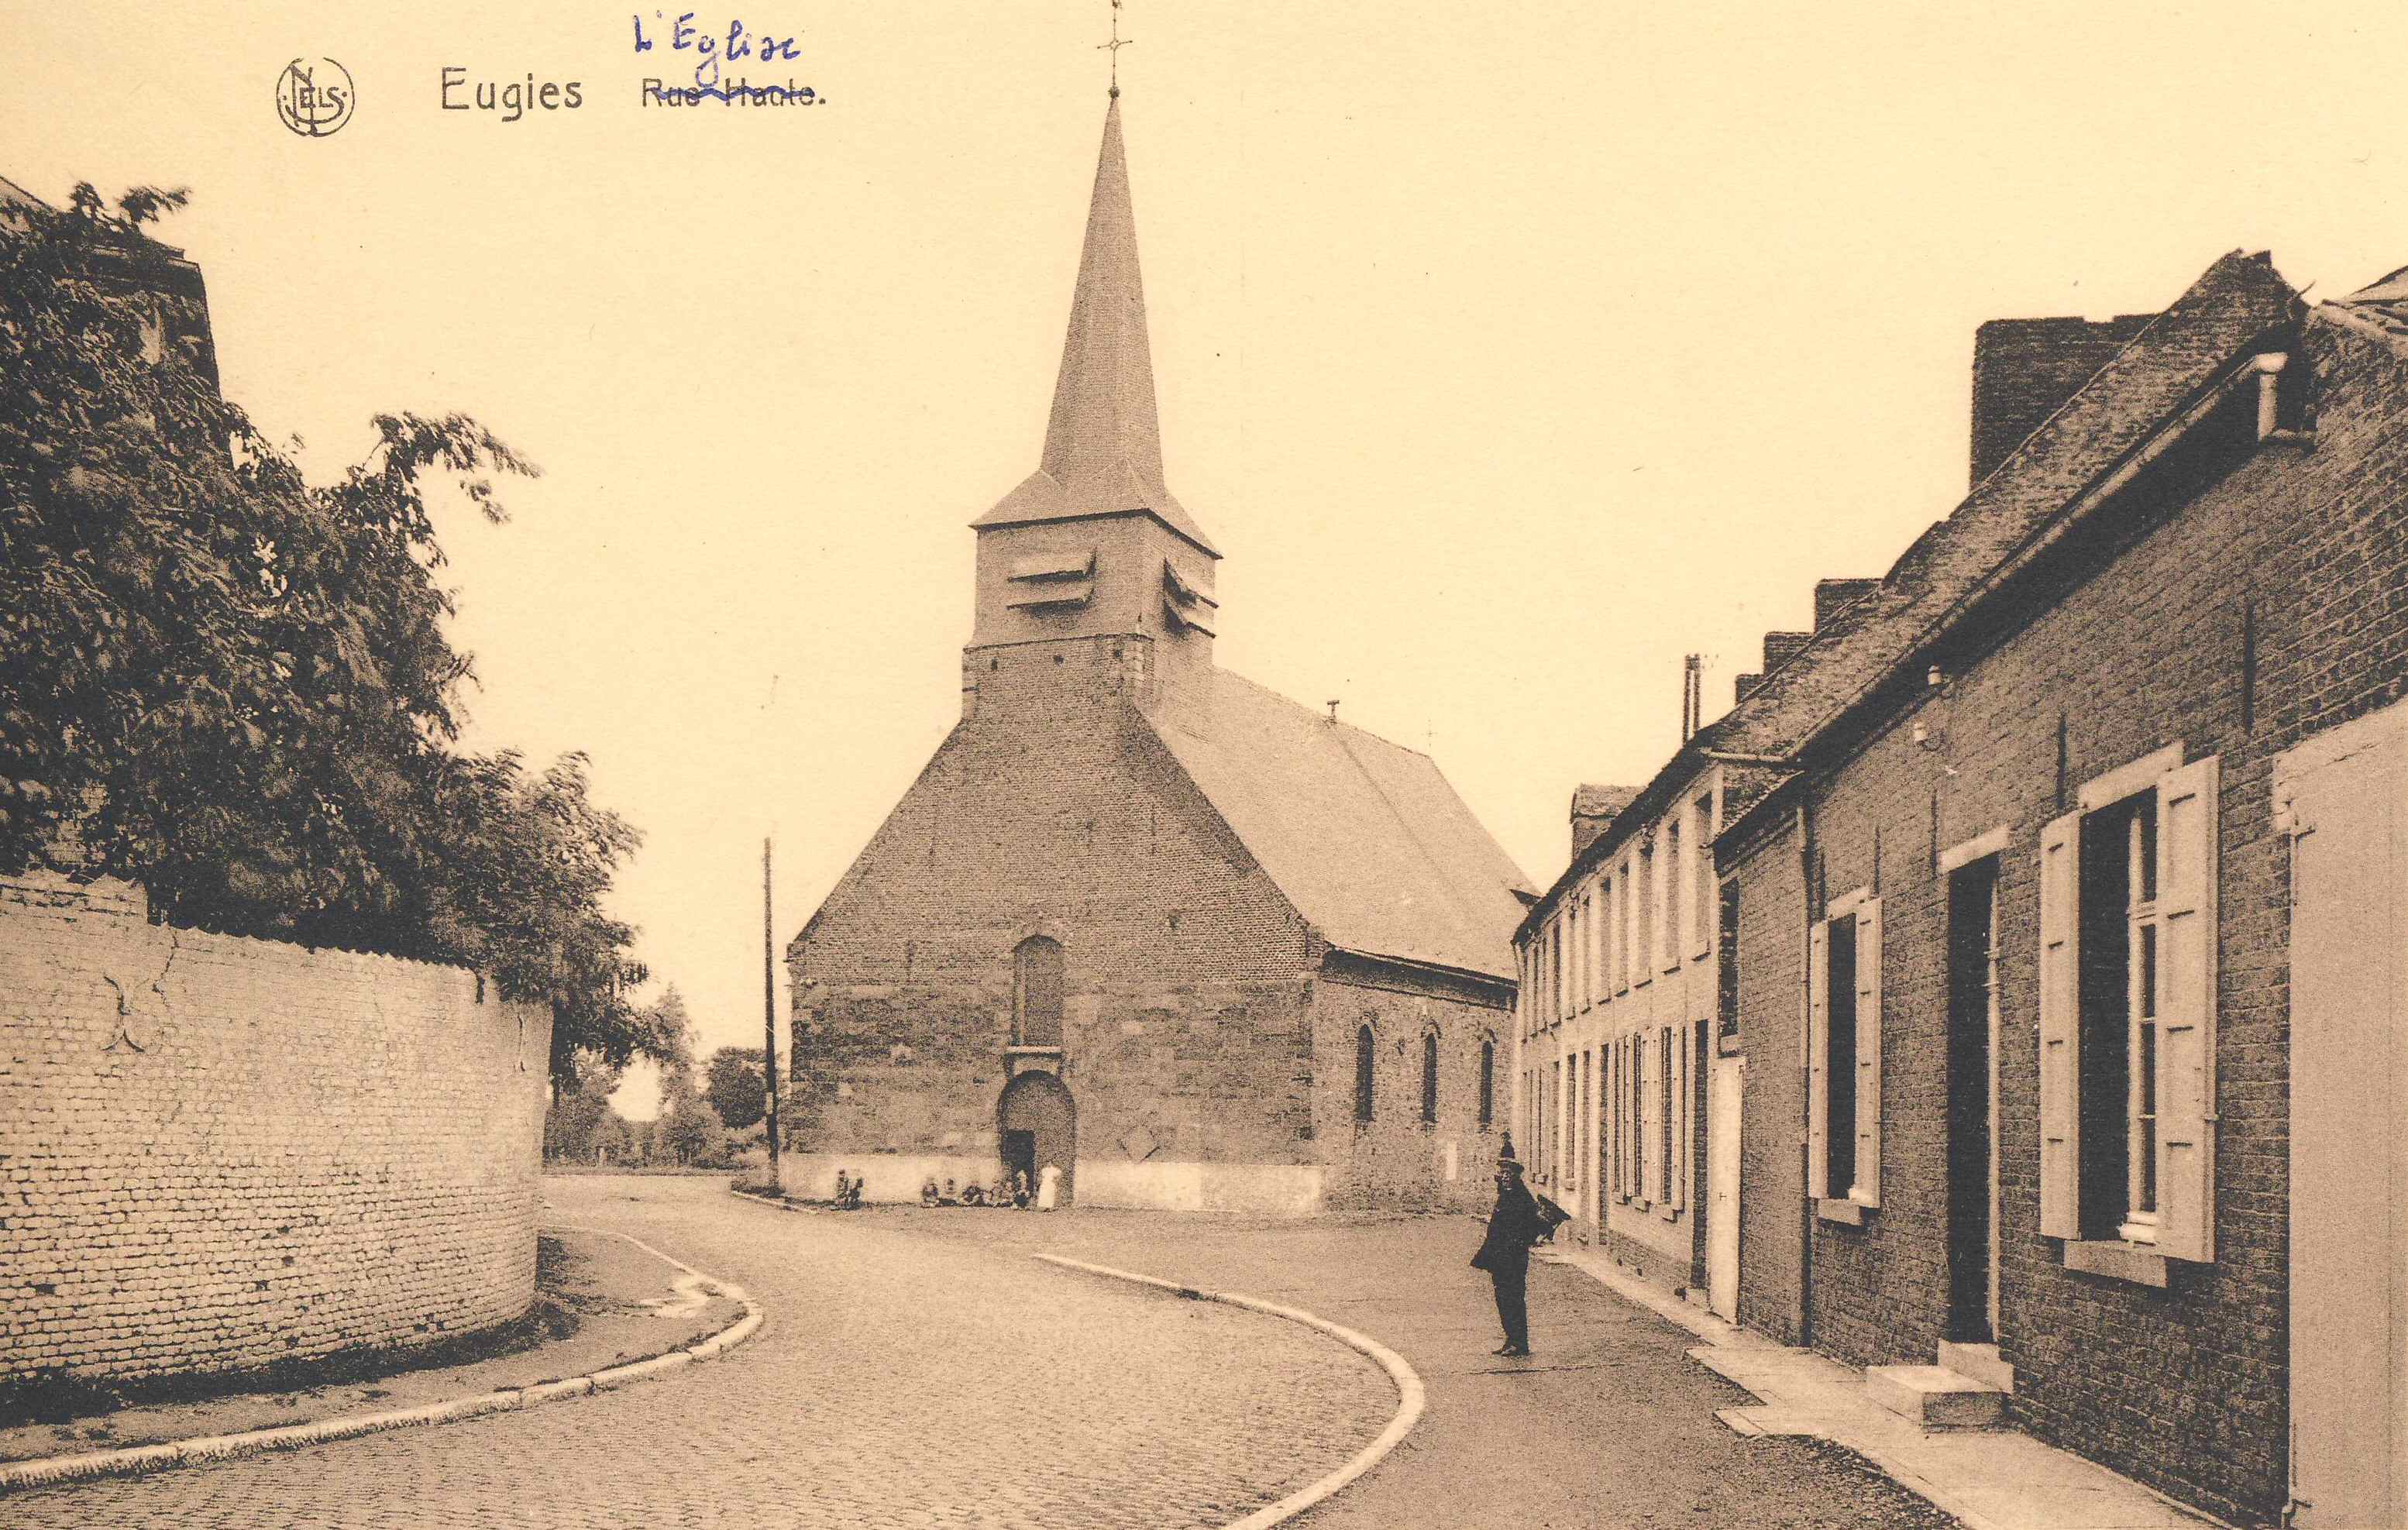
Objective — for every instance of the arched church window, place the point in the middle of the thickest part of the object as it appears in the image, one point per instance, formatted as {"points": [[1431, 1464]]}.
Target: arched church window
{"points": [[1487, 1082], [1430, 1076], [1037, 993], [1363, 1043]]}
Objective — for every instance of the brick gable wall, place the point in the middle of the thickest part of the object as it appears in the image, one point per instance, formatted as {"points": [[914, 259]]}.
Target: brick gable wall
{"points": [[1053, 810]]}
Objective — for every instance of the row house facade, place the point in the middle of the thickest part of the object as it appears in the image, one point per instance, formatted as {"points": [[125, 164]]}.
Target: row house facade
{"points": [[2058, 904], [1630, 1072]]}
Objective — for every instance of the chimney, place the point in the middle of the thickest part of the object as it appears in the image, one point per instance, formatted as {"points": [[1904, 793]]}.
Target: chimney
{"points": [[1594, 809], [1832, 596], [2025, 369], [1781, 647], [1743, 687]]}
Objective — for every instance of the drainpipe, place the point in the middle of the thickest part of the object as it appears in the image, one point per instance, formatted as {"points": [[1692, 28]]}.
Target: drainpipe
{"points": [[1805, 832]]}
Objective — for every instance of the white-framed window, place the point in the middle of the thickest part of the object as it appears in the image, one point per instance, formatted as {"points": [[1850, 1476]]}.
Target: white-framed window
{"points": [[1650, 894], [1626, 1119], [1701, 877], [1574, 1166], [1629, 921], [1592, 945], [1583, 930], [1609, 933], [1676, 867], [1843, 1114], [1556, 967], [2127, 916]]}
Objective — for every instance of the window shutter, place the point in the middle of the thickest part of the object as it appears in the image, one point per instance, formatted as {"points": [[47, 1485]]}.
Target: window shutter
{"points": [[1613, 1175], [1818, 1057], [1684, 1124], [2060, 1027], [1868, 1053], [1642, 1118], [2186, 935]]}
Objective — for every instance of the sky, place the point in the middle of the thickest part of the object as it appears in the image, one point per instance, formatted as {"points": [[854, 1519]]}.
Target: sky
{"points": [[1507, 353]]}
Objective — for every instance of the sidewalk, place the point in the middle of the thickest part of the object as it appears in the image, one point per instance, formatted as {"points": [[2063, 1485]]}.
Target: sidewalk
{"points": [[626, 1303], [1991, 1479]]}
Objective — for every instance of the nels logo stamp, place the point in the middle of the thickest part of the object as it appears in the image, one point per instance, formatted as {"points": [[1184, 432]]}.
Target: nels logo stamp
{"points": [[314, 96]]}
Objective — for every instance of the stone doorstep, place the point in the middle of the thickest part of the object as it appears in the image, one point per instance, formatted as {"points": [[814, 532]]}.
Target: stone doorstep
{"points": [[1990, 1478], [1935, 1397], [1980, 1362]]}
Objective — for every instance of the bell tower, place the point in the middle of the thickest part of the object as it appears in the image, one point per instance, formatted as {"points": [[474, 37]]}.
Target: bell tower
{"points": [[1092, 544]]}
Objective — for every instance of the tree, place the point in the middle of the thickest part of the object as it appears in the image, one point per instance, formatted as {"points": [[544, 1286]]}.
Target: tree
{"points": [[690, 1132], [581, 1118], [237, 687], [734, 1085]]}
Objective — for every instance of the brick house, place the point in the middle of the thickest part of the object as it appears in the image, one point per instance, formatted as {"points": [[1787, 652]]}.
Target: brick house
{"points": [[1196, 944], [2069, 952]]}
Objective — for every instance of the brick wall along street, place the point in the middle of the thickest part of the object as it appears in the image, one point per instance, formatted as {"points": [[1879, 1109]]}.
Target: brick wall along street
{"points": [[217, 1152]]}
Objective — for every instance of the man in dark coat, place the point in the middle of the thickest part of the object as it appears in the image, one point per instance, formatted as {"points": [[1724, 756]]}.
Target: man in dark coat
{"points": [[1505, 1252]]}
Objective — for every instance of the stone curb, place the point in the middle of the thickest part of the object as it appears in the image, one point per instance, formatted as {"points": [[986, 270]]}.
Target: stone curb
{"points": [[136, 1460], [1411, 1397], [771, 1199]]}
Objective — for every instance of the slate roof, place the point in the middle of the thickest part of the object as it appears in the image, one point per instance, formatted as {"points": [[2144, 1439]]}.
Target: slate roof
{"points": [[1364, 837], [2239, 303], [1103, 441], [2384, 305]]}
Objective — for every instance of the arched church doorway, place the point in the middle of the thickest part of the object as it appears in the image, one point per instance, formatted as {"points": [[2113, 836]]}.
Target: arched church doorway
{"points": [[1038, 1125]]}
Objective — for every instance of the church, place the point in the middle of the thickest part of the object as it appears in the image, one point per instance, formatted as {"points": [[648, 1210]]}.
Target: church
{"points": [[1194, 944]]}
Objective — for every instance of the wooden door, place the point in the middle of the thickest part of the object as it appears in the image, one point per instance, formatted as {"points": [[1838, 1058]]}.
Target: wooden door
{"points": [[1725, 1076], [2343, 798]]}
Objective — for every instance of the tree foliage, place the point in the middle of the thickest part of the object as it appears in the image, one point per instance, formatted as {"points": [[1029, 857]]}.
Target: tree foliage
{"points": [[734, 1085], [237, 687], [581, 1121]]}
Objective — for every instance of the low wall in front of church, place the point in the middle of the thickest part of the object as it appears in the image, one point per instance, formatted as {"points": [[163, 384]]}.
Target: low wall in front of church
{"points": [[1114, 1183]]}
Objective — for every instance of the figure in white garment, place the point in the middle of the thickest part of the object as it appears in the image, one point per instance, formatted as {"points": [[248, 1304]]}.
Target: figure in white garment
{"points": [[1049, 1187]]}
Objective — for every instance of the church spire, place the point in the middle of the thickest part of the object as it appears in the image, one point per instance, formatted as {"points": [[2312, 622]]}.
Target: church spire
{"points": [[1103, 442]]}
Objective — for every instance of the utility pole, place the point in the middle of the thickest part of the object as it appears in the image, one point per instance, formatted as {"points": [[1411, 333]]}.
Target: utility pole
{"points": [[768, 1012]]}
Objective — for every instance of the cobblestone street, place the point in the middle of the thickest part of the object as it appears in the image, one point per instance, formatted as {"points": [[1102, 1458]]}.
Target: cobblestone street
{"points": [[1609, 1423], [899, 1381], [919, 1369]]}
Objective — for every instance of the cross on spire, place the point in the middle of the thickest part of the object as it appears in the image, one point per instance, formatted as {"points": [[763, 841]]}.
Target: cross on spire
{"points": [[1114, 47]]}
